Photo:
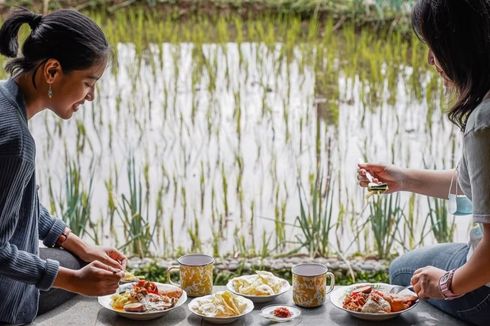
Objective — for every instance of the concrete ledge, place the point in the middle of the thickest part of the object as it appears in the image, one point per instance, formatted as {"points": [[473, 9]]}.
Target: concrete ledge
{"points": [[86, 311]]}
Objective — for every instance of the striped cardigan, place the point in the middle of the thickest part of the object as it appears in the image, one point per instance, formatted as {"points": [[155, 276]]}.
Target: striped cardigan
{"points": [[23, 220]]}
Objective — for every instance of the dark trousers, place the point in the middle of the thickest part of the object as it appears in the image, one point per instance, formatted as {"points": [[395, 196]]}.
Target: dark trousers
{"points": [[53, 298]]}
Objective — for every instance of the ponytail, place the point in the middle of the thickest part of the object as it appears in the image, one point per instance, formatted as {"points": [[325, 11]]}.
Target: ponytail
{"points": [[10, 29], [65, 35]]}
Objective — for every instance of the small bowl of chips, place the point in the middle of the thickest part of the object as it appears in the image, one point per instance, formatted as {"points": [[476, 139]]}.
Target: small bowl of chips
{"points": [[221, 308], [260, 287]]}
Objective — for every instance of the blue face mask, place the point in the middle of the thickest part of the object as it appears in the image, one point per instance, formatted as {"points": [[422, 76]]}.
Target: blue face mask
{"points": [[459, 204]]}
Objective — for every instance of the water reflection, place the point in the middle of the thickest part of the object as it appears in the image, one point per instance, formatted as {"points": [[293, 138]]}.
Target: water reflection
{"points": [[222, 133]]}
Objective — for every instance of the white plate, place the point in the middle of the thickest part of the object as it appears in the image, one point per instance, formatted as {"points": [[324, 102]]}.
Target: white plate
{"points": [[105, 302], [337, 298], [260, 298], [220, 320], [268, 312]]}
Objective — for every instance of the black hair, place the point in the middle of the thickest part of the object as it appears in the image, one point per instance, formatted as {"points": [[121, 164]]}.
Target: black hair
{"points": [[65, 35], [458, 33]]}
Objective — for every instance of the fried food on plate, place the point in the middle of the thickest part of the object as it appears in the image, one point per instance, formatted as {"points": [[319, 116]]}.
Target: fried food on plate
{"points": [[221, 304], [260, 284]]}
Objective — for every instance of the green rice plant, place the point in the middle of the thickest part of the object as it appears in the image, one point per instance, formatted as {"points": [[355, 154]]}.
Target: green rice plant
{"points": [[413, 232], [280, 221], [239, 184], [340, 225], [385, 215], [216, 240], [442, 224], [238, 115], [240, 245], [76, 209], [193, 232], [316, 219], [224, 180], [81, 136], [146, 177], [52, 196], [159, 218], [171, 232], [202, 186], [136, 227], [409, 225], [183, 192], [252, 224], [264, 248], [175, 187], [111, 204]]}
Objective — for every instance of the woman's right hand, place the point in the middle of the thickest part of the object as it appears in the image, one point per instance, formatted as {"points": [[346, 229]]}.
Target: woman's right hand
{"points": [[95, 279], [393, 176]]}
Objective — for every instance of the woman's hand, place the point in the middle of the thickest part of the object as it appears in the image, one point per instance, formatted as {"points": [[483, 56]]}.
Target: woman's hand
{"points": [[393, 176], [425, 282], [108, 256], [95, 279]]}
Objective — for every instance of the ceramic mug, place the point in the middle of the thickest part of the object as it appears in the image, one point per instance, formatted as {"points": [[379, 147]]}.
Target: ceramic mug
{"points": [[196, 274], [310, 284]]}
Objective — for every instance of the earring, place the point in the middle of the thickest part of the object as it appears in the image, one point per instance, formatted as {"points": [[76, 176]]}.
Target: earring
{"points": [[50, 91]]}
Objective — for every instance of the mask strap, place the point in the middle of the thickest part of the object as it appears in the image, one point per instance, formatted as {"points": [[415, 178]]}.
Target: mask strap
{"points": [[455, 183]]}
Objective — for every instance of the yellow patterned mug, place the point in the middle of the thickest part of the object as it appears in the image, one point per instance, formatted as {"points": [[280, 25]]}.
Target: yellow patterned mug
{"points": [[310, 284], [196, 274]]}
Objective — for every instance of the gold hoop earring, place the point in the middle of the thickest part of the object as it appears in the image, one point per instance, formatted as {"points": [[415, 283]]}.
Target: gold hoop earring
{"points": [[50, 91]]}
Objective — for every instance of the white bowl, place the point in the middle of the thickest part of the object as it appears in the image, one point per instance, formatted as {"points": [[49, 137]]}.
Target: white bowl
{"points": [[337, 298], [105, 302], [220, 320], [259, 298]]}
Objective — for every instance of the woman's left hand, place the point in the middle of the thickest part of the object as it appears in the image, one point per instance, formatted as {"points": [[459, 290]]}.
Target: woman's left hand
{"points": [[425, 282], [108, 256]]}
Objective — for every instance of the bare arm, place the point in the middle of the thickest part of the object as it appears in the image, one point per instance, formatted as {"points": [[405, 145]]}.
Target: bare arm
{"points": [[476, 272], [425, 182], [109, 256], [430, 182]]}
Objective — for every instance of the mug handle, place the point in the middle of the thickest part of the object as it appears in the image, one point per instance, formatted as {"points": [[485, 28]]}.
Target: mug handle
{"points": [[332, 282], [170, 270]]}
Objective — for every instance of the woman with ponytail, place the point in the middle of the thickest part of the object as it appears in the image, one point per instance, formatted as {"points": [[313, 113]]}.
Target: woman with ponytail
{"points": [[60, 62]]}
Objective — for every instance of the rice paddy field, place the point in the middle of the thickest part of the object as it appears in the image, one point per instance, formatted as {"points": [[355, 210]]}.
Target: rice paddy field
{"points": [[235, 136]]}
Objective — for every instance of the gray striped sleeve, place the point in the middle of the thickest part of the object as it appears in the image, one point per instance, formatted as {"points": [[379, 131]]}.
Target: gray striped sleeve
{"points": [[49, 228], [14, 263]]}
